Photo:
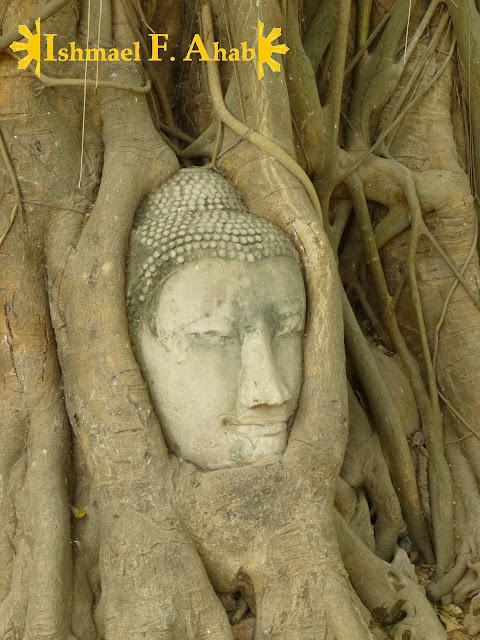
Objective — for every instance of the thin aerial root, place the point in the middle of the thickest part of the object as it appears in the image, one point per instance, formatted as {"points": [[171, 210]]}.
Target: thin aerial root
{"points": [[471, 294], [242, 130], [458, 415], [390, 429], [13, 178], [440, 483], [45, 12], [440, 322], [378, 143], [50, 81], [369, 311]]}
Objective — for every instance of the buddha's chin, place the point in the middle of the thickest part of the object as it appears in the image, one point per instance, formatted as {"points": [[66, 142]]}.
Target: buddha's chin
{"points": [[260, 449], [264, 446]]}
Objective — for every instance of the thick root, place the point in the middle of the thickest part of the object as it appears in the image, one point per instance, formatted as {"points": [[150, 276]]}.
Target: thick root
{"points": [[472, 619], [393, 598]]}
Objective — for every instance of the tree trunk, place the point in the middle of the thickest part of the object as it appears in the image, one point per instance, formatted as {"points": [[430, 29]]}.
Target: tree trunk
{"points": [[363, 150]]}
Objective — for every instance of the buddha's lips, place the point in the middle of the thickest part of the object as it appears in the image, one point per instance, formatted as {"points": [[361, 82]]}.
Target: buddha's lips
{"points": [[255, 430]]}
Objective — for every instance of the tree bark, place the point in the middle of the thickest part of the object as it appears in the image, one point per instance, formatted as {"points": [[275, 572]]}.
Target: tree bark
{"points": [[363, 150]]}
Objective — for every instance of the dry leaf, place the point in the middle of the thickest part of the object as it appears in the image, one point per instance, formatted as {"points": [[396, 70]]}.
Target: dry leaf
{"points": [[450, 622], [453, 610]]}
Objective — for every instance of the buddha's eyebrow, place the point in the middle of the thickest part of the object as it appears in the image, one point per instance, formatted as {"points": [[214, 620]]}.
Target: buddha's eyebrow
{"points": [[207, 315], [280, 317], [209, 307], [285, 312], [289, 306]]}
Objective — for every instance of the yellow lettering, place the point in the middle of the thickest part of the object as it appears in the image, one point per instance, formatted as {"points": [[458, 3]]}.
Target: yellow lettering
{"points": [[136, 48], [219, 51], [234, 55], [50, 55], [113, 55], [197, 42], [63, 54], [126, 55], [94, 54], [247, 52], [156, 46], [74, 51]]}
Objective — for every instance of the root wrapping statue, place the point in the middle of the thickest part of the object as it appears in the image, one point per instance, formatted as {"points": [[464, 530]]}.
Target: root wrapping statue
{"points": [[216, 305]]}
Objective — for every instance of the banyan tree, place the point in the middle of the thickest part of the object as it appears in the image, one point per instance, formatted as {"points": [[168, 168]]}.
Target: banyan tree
{"points": [[325, 202]]}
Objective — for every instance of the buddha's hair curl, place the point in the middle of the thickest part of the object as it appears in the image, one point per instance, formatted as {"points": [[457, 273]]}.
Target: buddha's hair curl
{"points": [[196, 214]]}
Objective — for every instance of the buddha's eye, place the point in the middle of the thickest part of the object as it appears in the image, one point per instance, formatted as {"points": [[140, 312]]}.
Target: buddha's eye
{"points": [[291, 325], [211, 330], [214, 338]]}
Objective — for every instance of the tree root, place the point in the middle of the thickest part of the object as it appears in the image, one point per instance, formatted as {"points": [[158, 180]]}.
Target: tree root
{"points": [[45, 12], [393, 598], [13, 608], [472, 619], [390, 430], [364, 466], [462, 581]]}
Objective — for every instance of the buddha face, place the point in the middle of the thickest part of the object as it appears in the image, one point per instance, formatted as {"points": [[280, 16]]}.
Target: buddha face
{"points": [[221, 350]]}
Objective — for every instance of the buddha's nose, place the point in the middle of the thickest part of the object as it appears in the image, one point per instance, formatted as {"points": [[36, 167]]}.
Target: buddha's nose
{"points": [[260, 379]]}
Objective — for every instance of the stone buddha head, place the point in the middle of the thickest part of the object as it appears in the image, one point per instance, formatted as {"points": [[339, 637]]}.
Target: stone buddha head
{"points": [[216, 306]]}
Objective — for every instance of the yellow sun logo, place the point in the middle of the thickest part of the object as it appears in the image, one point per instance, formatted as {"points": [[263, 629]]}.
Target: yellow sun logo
{"points": [[32, 46], [266, 49]]}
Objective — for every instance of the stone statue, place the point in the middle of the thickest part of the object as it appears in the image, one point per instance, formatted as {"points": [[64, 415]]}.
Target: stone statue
{"points": [[217, 312], [216, 304]]}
